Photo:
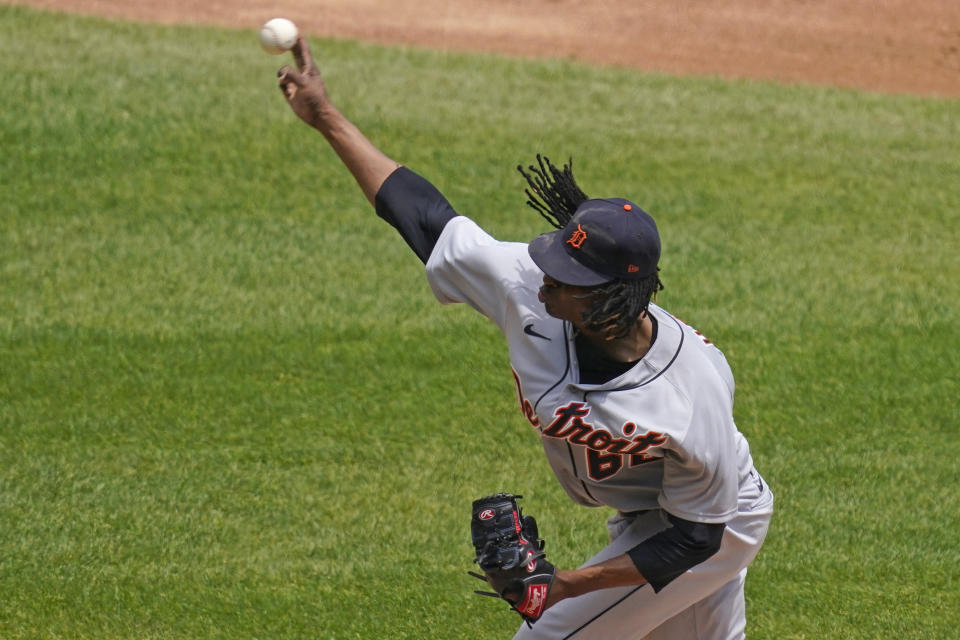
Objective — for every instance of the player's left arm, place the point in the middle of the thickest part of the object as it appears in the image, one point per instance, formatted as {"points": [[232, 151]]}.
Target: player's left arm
{"points": [[656, 561], [618, 571], [667, 555]]}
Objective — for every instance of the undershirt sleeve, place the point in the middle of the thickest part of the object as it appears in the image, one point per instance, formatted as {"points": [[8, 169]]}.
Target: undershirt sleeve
{"points": [[415, 208], [667, 555]]}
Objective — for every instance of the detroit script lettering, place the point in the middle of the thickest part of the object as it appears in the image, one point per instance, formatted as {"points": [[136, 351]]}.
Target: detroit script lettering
{"points": [[606, 454]]}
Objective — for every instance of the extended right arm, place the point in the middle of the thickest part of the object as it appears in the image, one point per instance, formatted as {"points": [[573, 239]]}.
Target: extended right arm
{"points": [[408, 202]]}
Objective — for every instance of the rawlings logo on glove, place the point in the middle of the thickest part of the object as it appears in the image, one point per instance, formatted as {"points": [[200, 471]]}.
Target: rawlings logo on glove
{"points": [[536, 598], [510, 553]]}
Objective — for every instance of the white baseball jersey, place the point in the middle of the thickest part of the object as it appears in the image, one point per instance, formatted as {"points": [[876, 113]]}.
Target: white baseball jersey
{"points": [[661, 435]]}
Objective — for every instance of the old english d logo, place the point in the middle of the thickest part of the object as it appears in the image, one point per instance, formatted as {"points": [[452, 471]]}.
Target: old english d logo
{"points": [[577, 238]]}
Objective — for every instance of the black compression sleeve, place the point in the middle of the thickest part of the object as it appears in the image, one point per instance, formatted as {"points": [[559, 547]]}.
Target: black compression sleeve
{"points": [[415, 208], [665, 556]]}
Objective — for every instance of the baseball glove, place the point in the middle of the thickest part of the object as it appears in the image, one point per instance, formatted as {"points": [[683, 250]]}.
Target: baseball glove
{"points": [[510, 553]]}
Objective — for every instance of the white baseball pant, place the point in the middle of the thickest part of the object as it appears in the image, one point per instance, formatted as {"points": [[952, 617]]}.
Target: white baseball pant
{"points": [[705, 603]]}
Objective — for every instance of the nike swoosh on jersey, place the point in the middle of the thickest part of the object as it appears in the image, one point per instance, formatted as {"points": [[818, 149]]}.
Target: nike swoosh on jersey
{"points": [[528, 329]]}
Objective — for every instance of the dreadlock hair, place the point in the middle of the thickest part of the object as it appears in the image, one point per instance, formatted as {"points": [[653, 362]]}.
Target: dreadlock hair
{"points": [[617, 304], [556, 188]]}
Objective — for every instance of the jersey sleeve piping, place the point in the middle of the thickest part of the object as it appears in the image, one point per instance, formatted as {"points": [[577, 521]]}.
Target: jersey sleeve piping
{"points": [[694, 516]]}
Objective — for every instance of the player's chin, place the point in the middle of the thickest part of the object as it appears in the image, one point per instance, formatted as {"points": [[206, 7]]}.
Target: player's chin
{"points": [[549, 304]]}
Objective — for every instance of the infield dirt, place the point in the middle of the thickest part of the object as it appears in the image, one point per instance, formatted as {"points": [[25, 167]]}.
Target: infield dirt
{"points": [[891, 46]]}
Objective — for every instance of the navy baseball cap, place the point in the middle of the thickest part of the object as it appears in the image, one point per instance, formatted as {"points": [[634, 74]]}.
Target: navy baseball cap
{"points": [[606, 239]]}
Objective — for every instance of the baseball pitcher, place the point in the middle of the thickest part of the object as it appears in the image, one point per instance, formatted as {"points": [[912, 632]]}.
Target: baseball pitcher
{"points": [[634, 408]]}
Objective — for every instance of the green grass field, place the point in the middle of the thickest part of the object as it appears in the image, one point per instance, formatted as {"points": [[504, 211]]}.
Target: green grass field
{"points": [[231, 408]]}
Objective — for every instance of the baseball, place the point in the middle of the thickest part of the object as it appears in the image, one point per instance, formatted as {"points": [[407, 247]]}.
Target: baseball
{"points": [[278, 35]]}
